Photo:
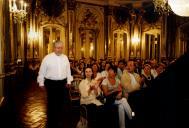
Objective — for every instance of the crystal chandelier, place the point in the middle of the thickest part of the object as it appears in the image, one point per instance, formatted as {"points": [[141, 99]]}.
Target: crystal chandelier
{"points": [[162, 7], [19, 14]]}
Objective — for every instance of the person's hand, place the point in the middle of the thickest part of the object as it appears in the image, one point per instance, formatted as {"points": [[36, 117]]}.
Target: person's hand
{"points": [[101, 79], [119, 96], [142, 80], [92, 87], [93, 83], [42, 87], [126, 94], [68, 85], [119, 89]]}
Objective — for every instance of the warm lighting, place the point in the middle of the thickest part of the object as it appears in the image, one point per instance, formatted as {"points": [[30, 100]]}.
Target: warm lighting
{"points": [[19, 14], [82, 49], [70, 36], [162, 6], [135, 40], [91, 47], [180, 7], [33, 35]]}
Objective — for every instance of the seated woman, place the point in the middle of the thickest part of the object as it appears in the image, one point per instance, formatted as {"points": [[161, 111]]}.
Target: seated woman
{"points": [[96, 74], [89, 90], [111, 86]]}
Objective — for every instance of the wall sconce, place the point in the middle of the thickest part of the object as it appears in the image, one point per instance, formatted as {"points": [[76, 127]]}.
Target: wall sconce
{"points": [[19, 15], [135, 40], [70, 36], [82, 52], [82, 49], [32, 35], [91, 47]]}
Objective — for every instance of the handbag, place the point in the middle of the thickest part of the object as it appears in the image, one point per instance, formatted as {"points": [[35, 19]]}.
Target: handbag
{"points": [[110, 99], [82, 123]]}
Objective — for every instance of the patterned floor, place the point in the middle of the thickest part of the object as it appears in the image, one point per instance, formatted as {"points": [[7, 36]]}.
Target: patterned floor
{"points": [[25, 107]]}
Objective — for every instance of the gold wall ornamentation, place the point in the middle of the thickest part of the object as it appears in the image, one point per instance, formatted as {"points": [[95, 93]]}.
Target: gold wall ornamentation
{"points": [[89, 31]]}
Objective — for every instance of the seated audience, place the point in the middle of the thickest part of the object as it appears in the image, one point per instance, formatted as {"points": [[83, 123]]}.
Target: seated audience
{"points": [[104, 73], [159, 69]]}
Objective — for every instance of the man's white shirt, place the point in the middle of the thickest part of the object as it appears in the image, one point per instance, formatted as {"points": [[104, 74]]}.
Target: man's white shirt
{"points": [[54, 67]]}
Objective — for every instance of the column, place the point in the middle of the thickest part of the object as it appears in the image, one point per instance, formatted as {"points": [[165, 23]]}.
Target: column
{"points": [[30, 40], [108, 32], [71, 29], [22, 41], [163, 37], [1, 51], [12, 36], [133, 36]]}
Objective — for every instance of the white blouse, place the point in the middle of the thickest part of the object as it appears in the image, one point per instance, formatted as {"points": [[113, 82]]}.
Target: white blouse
{"points": [[88, 98]]}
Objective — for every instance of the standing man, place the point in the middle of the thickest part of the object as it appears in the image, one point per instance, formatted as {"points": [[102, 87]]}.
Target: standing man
{"points": [[55, 76]]}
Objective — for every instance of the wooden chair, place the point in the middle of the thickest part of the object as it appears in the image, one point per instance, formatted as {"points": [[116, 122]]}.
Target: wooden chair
{"points": [[74, 92]]}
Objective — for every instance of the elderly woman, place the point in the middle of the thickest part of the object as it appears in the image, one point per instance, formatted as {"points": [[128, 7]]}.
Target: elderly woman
{"points": [[111, 86], [146, 76]]}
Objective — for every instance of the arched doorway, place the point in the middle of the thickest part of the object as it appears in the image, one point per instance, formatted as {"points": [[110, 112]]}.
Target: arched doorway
{"points": [[51, 33], [88, 42]]}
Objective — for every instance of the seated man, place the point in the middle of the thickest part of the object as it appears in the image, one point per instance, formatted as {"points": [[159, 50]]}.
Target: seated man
{"points": [[130, 80]]}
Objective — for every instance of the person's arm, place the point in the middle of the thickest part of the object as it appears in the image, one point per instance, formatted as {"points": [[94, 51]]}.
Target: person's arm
{"points": [[125, 80], [94, 85], [119, 95], [105, 90], [41, 73], [69, 76], [92, 88]]}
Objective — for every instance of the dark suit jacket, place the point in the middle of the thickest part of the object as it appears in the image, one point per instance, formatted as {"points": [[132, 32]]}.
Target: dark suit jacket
{"points": [[167, 100]]}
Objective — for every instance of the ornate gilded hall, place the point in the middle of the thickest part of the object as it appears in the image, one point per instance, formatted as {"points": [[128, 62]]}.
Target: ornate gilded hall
{"points": [[99, 29]]}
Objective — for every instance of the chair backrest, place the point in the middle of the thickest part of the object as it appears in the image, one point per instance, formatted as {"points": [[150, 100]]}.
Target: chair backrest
{"points": [[74, 90], [75, 83]]}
